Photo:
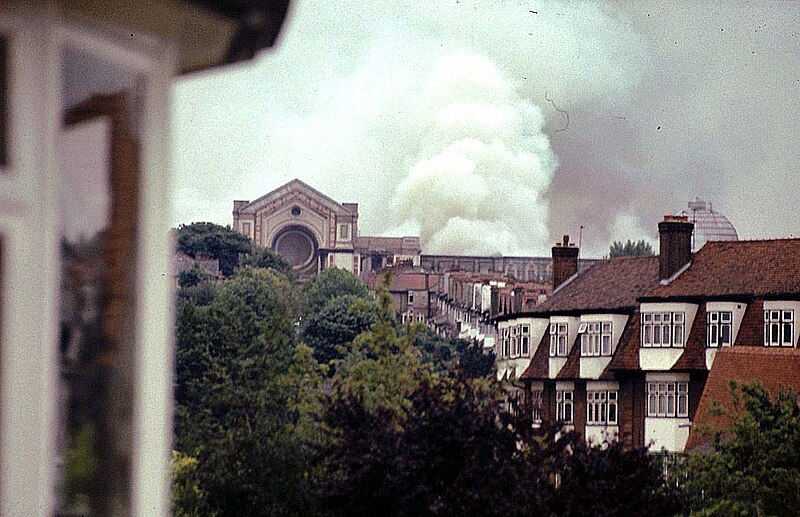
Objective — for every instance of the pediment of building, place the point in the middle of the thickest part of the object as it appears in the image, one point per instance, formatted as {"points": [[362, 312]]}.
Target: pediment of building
{"points": [[296, 192]]}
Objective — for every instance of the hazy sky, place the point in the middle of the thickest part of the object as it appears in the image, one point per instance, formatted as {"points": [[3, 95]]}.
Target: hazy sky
{"points": [[497, 126]]}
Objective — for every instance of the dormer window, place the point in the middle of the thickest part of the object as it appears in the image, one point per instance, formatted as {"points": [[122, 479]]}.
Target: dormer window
{"points": [[558, 340], [779, 328], [663, 329], [719, 328], [596, 339]]}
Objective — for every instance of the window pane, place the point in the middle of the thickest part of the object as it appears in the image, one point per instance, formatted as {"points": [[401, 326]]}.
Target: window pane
{"points": [[788, 334], [679, 335], [725, 335]]}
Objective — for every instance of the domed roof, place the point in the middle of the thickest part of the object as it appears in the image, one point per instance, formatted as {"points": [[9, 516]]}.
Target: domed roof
{"points": [[708, 224]]}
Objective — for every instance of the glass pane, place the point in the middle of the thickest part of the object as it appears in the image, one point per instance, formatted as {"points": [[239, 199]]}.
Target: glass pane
{"points": [[99, 169], [725, 334]]}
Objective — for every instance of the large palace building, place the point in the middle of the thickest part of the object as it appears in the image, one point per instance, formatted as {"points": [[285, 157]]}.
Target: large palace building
{"points": [[314, 232]]}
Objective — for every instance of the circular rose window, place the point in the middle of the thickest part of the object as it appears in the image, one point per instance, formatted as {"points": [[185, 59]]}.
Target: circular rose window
{"points": [[296, 246]]}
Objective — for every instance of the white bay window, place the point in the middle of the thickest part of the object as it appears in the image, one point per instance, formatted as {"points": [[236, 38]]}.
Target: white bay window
{"points": [[668, 399]]}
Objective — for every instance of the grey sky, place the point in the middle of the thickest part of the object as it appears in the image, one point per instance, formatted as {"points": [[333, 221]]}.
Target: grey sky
{"points": [[664, 103]]}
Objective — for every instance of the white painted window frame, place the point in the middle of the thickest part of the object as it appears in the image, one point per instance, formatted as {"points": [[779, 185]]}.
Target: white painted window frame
{"points": [[29, 371]]}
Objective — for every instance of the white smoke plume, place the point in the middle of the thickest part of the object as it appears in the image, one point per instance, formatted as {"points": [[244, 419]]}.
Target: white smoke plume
{"points": [[478, 182], [432, 116]]}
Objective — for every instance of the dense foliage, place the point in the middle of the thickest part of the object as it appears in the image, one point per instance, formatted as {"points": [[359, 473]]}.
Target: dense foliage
{"points": [[329, 284], [265, 258], [630, 249], [213, 241], [755, 468], [405, 423]]}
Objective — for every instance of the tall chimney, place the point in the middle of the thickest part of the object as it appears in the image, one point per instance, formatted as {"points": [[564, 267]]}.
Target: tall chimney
{"points": [[675, 237], [565, 262]]}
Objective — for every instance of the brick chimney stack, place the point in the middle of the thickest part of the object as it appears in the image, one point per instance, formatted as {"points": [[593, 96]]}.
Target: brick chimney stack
{"points": [[565, 262], [675, 237]]}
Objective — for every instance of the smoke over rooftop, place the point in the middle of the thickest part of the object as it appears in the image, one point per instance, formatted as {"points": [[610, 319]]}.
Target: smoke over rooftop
{"points": [[478, 181], [436, 116]]}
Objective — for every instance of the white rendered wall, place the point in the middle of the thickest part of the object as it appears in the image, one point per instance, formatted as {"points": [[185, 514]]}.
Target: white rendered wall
{"points": [[659, 359], [667, 433]]}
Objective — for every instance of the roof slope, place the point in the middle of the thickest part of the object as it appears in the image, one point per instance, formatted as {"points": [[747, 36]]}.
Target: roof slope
{"points": [[626, 356], [539, 367], [694, 353], [743, 268], [774, 368], [613, 284]]}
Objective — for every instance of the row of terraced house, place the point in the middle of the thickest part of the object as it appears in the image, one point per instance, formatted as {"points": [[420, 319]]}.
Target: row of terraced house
{"points": [[638, 349]]}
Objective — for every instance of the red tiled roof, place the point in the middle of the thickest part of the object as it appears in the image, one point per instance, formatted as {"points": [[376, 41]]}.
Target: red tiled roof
{"points": [[738, 268], [614, 284], [626, 356], [751, 330], [539, 367], [694, 352], [571, 369], [774, 368]]}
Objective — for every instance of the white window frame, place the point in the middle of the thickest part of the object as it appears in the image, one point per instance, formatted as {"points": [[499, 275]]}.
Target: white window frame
{"points": [[559, 337], [29, 230], [565, 406], [779, 327], [602, 407], [596, 338], [663, 329], [667, 399], [719, 324], [524, 340]]}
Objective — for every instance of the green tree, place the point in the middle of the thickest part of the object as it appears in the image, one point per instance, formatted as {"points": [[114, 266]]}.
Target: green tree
{"points": [[265, 258], [213, 241], [193, 276], [444, 353], [755, 468], [630, 249], [246, 399], [329, 284], [330, 331]]}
